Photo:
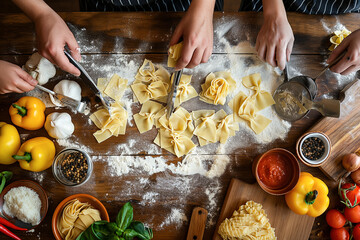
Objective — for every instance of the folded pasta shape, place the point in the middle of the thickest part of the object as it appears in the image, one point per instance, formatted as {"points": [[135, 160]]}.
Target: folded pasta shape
{"points": [[338, 37], [115, 88], [225, 126], [205, 126], [185, 91], [113, 125], [216, 88], [149, 73], [249, 222], [261, 98], [175, 133], [145, 92], [147, 116], [246, 107], [174, 54]]}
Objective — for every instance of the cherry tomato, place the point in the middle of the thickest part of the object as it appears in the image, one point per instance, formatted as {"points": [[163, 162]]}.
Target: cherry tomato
{"points": [[352, 214], [356, 232], [339, 234], [335, 219], [351, 194]]}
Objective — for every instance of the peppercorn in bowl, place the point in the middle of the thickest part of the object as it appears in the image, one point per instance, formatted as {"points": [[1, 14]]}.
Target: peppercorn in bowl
{"points": [[72, 167], [313, 148]]}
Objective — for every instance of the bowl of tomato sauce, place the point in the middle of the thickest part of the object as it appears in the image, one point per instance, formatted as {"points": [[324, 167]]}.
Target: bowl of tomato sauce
{"points": [[277, 171]]}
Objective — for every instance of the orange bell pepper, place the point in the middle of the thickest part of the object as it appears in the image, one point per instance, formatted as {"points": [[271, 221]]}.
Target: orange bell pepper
{"points": [[28, 113]]}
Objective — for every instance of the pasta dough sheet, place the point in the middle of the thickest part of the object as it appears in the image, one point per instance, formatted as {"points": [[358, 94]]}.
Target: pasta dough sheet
{"points": [[147, 116], [75, 218], [185, 91], [174, 54], [116, 87], [216, 88], [246, 107], [113, 125], [249, 222]]}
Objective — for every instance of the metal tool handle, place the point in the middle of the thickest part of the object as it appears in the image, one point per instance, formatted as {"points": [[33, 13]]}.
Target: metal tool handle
{"points": [[45, 89], [84, 75], [331, 64], [286, 74]]}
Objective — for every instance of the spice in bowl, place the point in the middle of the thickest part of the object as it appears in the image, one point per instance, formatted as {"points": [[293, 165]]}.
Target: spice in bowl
{"points": [[72, 167], [313, 148]]}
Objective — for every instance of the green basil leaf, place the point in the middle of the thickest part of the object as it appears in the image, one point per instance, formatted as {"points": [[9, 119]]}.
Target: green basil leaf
{"points": [[144, 233], [96, 231], [129, 234], [125, 216]]}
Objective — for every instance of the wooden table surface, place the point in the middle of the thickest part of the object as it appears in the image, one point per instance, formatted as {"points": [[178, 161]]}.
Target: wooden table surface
{"points": [[104, 36]]}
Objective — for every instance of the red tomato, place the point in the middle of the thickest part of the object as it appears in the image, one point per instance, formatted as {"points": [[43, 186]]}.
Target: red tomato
{"points": [[356, 232], [335, 219], [352, 214], [339, 234], [351, 194]]}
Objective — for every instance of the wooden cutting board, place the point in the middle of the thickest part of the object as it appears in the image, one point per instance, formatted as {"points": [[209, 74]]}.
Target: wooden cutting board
{"points": [[343, 132], [287, 224]]}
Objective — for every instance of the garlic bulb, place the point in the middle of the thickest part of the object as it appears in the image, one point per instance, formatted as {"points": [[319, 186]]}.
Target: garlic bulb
{"points": [[59, 125], [67, 88], [40, 68]]}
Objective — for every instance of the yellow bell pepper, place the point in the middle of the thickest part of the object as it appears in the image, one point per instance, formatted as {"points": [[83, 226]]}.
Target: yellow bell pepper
{"points": [[36, 154], [9, 142], [28, 113], [309, 196]]}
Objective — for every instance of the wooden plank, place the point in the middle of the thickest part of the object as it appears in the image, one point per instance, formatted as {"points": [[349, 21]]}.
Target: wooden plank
{"points": [[114, 32], [344, 132], [275, 207]]}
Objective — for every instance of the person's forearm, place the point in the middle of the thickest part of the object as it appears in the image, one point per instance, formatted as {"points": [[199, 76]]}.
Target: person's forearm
{"points": [[273, 8], [33, 8]]}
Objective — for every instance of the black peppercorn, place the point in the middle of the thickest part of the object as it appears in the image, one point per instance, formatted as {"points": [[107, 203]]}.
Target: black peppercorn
{"points": [[313, 148], [74, 167]]}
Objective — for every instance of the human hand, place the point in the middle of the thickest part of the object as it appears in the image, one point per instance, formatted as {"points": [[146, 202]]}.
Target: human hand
{"points": [[196, 29], [14, 79], [275, 41], [52, 36], [351, 61]]}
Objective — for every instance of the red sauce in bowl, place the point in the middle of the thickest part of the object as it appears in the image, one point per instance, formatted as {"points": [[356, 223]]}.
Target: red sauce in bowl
{"points": [[274, 170]]}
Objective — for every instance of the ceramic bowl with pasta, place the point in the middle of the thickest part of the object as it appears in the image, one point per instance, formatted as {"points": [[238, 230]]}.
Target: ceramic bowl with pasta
{"points": [[68, 211]]}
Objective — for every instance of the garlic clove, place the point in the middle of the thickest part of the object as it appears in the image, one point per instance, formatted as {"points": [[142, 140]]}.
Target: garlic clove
{"points": [[67, 88]]}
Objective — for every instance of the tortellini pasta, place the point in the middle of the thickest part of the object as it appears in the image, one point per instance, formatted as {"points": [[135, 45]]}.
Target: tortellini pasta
{"points": [[216, 88], [249, 222], [246, 107]]}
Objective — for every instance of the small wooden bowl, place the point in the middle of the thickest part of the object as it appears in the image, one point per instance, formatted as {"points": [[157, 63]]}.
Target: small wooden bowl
{"points": [[34, 186], [94, 202], [293, 172], [314, 163]]}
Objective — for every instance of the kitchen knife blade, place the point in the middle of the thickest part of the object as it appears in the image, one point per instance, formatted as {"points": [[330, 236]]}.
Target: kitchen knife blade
{"points": [[170, 106], [87, 79]]}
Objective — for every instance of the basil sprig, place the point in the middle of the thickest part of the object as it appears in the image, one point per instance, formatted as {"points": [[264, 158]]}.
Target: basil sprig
{"points": [[123, 229]]}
